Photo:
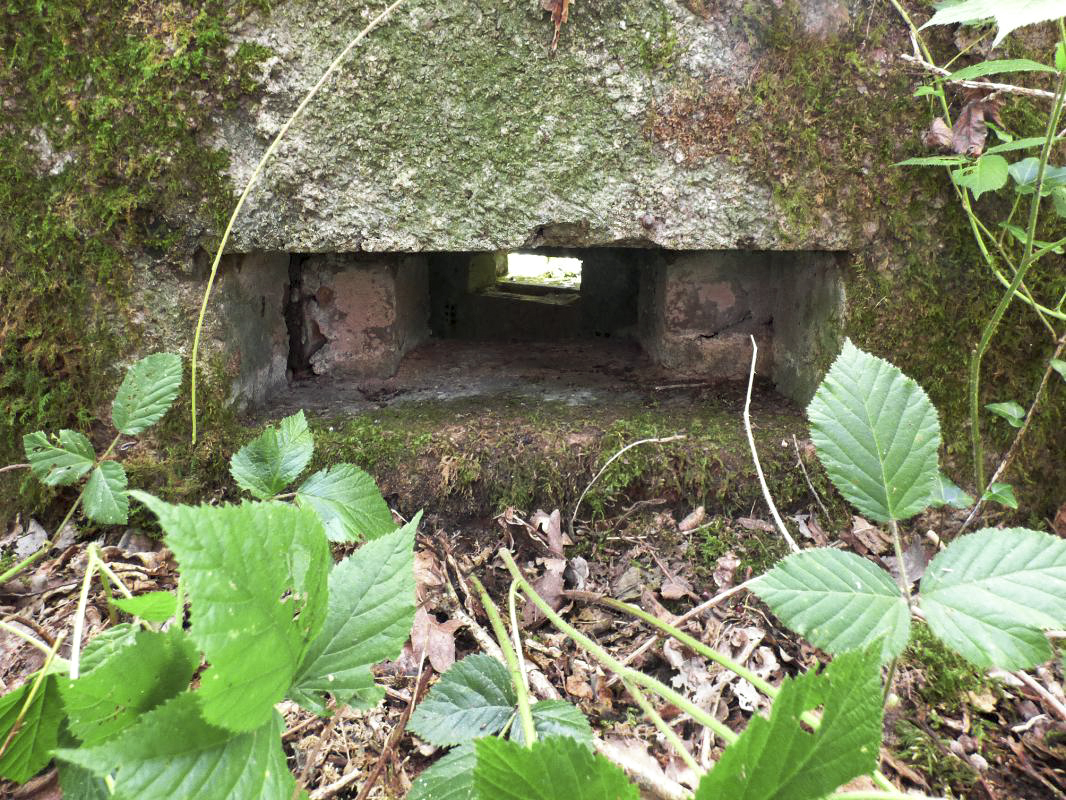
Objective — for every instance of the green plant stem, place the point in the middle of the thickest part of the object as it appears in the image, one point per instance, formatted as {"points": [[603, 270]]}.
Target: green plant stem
{"points": [[79, 615], [32, 693], [518, 678], [667, 732], [106, 570], [27, 638], [692, 643], [1019, 275], [271, 150], [605, 658]]}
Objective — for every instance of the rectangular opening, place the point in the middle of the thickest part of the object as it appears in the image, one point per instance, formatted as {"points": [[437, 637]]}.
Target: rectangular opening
{"points": [[400, 317]]}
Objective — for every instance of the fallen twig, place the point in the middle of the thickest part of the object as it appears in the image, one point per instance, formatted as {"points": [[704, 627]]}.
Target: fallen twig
{"points": [[13, 467], [806, 477], [1005, 88], [611, 460], [755, 455]]}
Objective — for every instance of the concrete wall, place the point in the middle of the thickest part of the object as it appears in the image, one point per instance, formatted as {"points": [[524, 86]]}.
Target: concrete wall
{"points": [[362, 313]]}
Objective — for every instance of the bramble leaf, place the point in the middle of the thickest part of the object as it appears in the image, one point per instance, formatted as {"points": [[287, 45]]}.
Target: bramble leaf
{"points": [[274, 459], [779, 759], [1026, 171], [256, 580], [987, 174], [371, 610], [837, 600], [948, 494], [1002, 493], [474, 698], [147, 392], [32, 746], [1059, 366], [1012, 412], [556, 768], [105, 498], [991, 594], [1008, 14], [62, 464], [348, 502], [556, 718], [173, 754], [125, 676], [998, 67], [150, 606], [877, 435], [449, 778]]}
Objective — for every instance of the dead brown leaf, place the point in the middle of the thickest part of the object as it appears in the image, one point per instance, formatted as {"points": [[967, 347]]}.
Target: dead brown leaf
{"points": [[725, 570], [560, 11], [693, 520], [550, 587], [938, 137], [751, 524], [436, 639], [1059, 524], [550, 527], [867, 538], [970, 131]]}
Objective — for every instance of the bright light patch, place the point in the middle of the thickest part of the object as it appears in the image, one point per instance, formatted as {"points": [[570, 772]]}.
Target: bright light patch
{"points": [[543, 270]]}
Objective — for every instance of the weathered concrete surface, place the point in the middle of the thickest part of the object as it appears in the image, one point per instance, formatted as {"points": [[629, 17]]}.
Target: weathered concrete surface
{"points": [[454, 128], [361, 315]]}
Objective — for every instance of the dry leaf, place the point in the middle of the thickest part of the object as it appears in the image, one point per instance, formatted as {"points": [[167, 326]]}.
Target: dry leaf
{"points": [[871, 538], [971, 129], [551, 530], [1059, 524], [693, 520], [750, 524], [436, 639], [725, 570], [560, 11], [938, 137]]}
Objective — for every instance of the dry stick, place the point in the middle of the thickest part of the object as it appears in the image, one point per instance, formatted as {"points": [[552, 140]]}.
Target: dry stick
{"points": [[274, 145], [611, 460], [13, 467], [349, 778], [655, 783], [662, 727], [1006, 88], [807, 478], [312, 757], [755, 454], [1053, 702], [1012, 451]]}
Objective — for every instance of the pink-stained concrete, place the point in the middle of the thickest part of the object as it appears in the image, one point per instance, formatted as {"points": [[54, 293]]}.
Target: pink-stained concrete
{"points": [[362, 315]]}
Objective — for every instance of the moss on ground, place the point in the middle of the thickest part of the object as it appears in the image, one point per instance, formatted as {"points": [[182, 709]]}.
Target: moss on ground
{"points": [[111, 96]]}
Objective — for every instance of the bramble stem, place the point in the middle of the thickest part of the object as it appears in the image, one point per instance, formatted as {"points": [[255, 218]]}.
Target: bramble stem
{"points": [[605, 658], [667, 732], [525, 714]]}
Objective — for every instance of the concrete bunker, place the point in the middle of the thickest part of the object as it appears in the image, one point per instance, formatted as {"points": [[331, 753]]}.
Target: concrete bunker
{"points": [[356, 316]]}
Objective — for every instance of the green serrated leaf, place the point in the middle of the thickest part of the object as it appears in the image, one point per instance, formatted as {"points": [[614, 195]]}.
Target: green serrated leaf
{"points": [[473, 698], [1060, 56], [348, 502], [449, 778], [987, 174], [1011, 411], [1026, 171], [147, 392], [1002, 493], [1018, 144], [933, 161], [778, 759], [256, 578], [31, 748], [877, 435], [59, 464], [925, 91], [991, 594], [1008, 14], [78, 783], [557, 768], [105, 500], [371, 610], [998, 67], [125, 678], [150, 606], [1058, 200], [1059, 366], [556, 718], [173, 754], [837, 600], [948, 494], [274, 459]]}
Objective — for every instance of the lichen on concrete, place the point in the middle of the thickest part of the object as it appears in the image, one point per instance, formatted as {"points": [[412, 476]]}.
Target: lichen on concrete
{"points": [[454, 128]]}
